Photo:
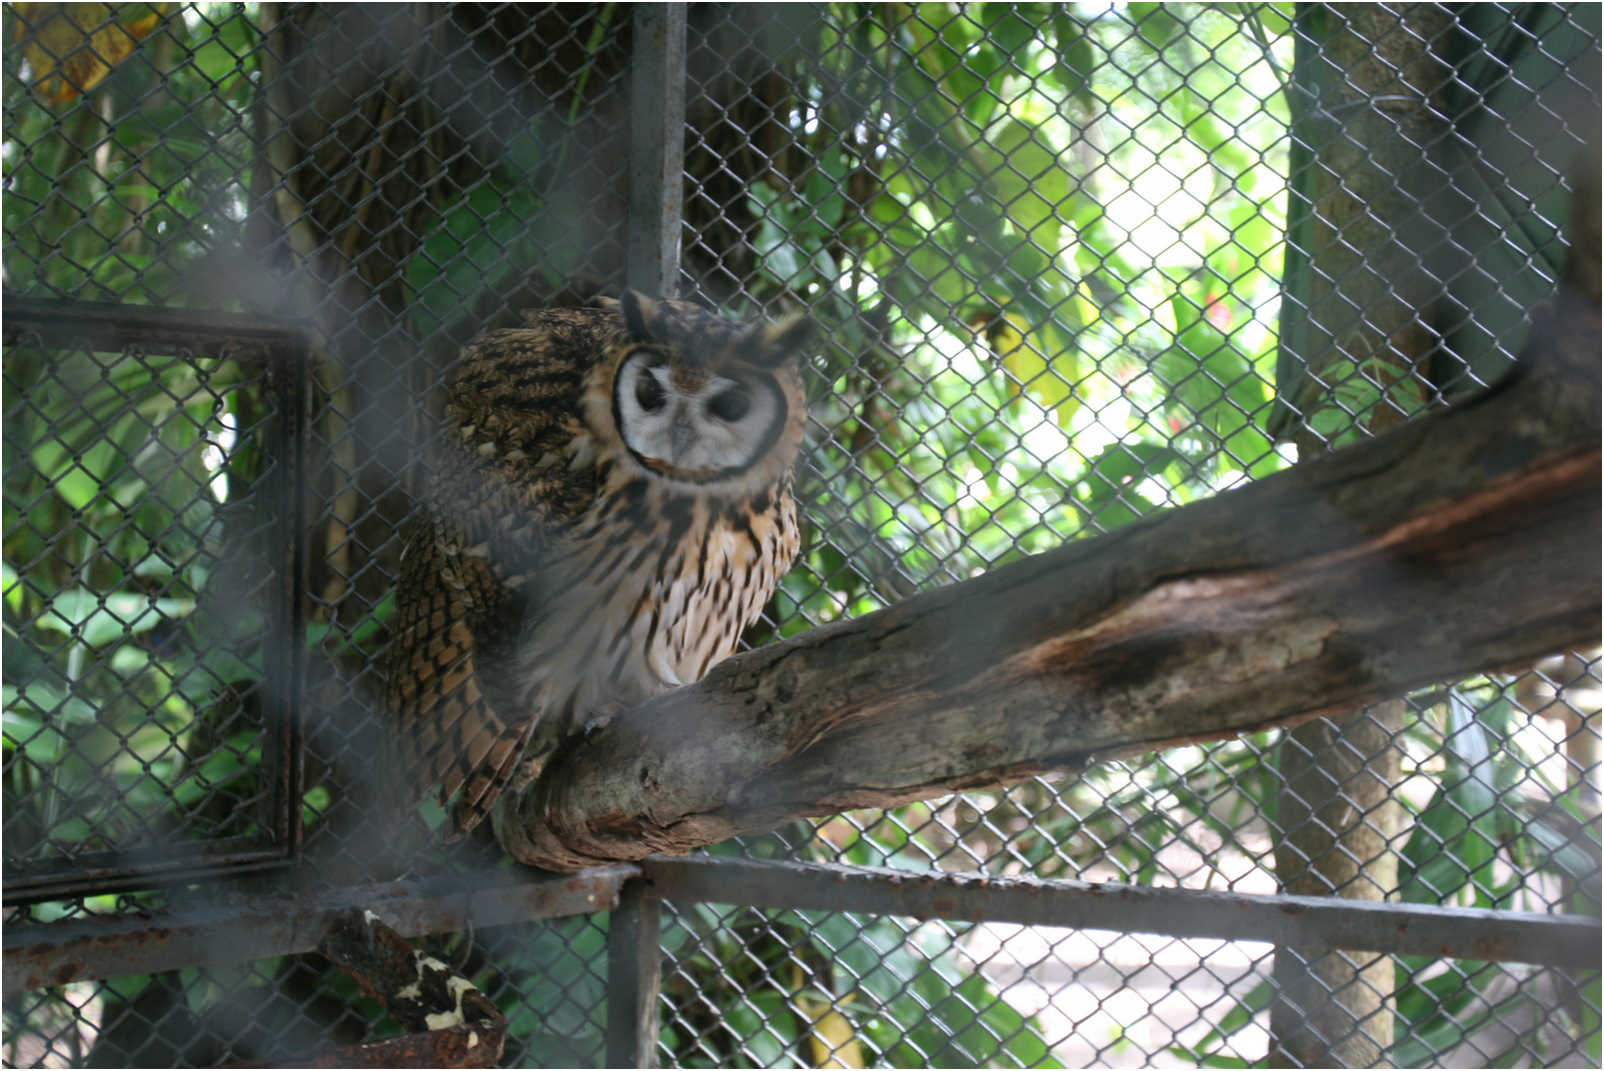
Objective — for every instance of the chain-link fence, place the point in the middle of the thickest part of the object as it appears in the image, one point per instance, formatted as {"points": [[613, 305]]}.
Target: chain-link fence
{"points": [[1076, 264]]}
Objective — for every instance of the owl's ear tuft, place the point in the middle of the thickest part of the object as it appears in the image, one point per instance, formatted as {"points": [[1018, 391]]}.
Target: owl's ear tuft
{"points": [[642, 317], [783, 338]]}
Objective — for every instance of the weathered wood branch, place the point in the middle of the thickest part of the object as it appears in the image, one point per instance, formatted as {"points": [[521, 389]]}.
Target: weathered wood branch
{"points": [[1462, 542]]}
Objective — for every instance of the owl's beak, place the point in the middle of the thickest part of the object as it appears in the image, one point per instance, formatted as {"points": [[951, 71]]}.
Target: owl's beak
{"points": [[684, 435]]}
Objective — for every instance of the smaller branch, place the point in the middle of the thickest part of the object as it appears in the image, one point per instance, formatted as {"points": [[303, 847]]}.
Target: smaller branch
{"points": [[280, 142]]}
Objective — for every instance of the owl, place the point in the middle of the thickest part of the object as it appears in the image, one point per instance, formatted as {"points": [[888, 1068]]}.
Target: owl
{"points": [[614, 506]]}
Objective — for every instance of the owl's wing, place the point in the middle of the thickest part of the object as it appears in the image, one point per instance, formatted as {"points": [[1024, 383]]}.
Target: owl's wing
{"points": [[495, 500], [453, 611]]}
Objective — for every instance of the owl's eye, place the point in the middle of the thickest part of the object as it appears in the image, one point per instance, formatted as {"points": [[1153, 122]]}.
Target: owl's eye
{"points": [[649, 393], [732, 405]]}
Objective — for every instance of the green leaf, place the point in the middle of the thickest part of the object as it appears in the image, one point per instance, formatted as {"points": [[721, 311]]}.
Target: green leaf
{"points": [[782, 260], [1114, 476], [823, 193], [1238, 1018], [1156, 26], [1077, 57], [13, 590], [1034, 186], [77, 479], [1564, 855], [765, 1026], [99, 618], [27, 733], [469, 252], [1007, 26], [1276, 18]]}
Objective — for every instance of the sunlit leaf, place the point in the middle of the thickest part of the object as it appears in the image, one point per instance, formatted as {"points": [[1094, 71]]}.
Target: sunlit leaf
{"points": [[1030, 369], [70, 48], [12, 585]]}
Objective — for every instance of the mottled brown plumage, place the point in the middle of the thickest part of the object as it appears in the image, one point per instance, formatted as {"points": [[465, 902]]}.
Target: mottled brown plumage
{"points": [[614, 508]]}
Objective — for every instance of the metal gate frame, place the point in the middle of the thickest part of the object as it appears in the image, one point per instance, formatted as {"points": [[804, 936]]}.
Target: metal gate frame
{"points": [[107, 948], [284, 353]]}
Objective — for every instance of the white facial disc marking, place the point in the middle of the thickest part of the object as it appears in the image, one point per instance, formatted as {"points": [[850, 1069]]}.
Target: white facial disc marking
{"points": [[720, 426]]}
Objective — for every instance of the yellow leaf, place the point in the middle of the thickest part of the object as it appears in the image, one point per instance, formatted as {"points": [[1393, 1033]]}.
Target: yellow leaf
{"points": [[833, 1042], [832, 1039], [1031, 368], [71, 47]]}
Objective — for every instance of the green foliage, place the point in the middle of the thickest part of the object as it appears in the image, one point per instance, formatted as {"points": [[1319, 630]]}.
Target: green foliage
{"points": [[550, 976], [1443, 1004], [1357, 392], [465, 254], [1048, 379], [130, 710], [1479, 817], [123, 702], [118, 210], [1205, 1052], [907, 997]]}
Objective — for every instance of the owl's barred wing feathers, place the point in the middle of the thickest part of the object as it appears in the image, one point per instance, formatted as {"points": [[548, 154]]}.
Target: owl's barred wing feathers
{"points": [[456, 616], [450, 606]]}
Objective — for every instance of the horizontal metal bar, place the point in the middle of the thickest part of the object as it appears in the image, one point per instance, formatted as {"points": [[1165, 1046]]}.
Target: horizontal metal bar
{"points": [[1300, 921], [112, 325], [111, 872], [62, 952]]}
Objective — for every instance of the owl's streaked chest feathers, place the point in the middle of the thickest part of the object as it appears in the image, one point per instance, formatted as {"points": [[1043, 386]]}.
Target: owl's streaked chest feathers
{"points": [[650, 589]]}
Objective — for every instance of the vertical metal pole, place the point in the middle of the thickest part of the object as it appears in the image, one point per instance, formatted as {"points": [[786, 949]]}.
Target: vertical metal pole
{"points": [[656, 203], [634, 976], [656, 147], [289, 372]]}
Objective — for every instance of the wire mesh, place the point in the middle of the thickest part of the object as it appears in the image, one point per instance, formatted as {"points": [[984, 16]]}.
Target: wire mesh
{"points": [[146, 724], [1077, 264]]}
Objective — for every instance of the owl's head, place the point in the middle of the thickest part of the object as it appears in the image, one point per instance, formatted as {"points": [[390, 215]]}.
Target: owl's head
{"points": [[706, 400]]}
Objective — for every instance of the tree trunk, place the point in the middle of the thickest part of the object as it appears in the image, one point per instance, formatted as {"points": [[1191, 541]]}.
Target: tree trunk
{"points": [[1361, 221], [1337, 820]]}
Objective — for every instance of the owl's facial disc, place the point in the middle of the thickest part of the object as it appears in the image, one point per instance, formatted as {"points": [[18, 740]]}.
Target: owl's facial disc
{"points": [[696, 427]]}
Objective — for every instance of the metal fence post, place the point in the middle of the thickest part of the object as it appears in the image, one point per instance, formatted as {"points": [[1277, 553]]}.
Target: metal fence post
{"points": [[656, 148], [634, 976], [656, 177]]}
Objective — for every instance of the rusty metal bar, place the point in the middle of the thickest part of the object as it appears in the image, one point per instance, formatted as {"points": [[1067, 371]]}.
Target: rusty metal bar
{"points": [[656, 147], [108, 325], [634, 976], [1327, 922], [93, 873], [63, 952]]}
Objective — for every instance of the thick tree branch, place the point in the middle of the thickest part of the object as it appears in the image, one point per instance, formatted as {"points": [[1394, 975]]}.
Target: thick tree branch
{"points": [[1462, 542]]}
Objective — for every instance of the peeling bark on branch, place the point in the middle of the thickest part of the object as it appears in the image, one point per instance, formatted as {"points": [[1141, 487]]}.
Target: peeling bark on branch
{"points": [[1458, 543]]}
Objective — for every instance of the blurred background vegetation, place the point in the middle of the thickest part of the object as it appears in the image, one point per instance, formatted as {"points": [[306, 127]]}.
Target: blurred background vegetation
{"points": [[1048, 245]]}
